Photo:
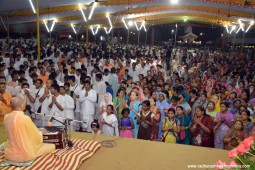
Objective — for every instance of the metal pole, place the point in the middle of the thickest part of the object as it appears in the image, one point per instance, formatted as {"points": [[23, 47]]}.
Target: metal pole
{"points": [[95, 40], [242, 42], [234, 41], [146, 38], [38, 31], [138, 37], [175, 35], [50, 37], [127, 37], [112, 39], [8, 31], [87, 38]]}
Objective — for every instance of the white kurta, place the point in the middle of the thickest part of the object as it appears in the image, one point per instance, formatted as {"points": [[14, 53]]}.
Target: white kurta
{"points": [[77, 90], [88, 108], [69, 110], [100, 88], [45, 109], [25, 97], [110, 130], [38, 120], [55, 111]]}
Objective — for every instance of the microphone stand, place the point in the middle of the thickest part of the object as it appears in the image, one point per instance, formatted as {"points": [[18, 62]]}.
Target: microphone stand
{"points": [[68, 141]]}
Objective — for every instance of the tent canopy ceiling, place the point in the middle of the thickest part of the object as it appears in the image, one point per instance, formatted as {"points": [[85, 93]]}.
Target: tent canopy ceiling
{"points": [[154, 12]]}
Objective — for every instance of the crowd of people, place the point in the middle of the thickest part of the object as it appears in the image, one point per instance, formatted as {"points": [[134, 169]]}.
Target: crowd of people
{"points": [[181, 95]]}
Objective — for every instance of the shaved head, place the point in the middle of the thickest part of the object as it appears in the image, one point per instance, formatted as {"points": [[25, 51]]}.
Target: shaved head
{"points": [[18, 103]]}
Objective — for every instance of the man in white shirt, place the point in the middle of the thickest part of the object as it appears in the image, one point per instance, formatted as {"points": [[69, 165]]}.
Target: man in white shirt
{"points": [[60, 73], [77, 63], [57, 104], [106, 75], [45, 101], [100, 87], [38, 93], [68, 107], [134, 72], [88, 98], [27, 95], [75, 89]]}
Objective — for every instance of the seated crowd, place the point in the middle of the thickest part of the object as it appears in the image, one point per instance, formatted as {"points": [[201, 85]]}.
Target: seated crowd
{"points": [[186, 96]]}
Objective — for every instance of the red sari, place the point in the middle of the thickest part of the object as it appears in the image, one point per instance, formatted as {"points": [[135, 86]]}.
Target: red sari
{"points": [[207, 139], [236, 139]]}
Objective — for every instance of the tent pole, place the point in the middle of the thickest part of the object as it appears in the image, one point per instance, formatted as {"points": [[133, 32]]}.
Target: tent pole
{"points": [[87, 38], [38, 31], [146, 38], [8, 30], [138, 41], [242, 41], [112, 39], [127, 37]]}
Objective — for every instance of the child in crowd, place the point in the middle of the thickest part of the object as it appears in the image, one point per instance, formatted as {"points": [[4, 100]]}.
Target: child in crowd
{"points": [[171, 127], [126, 124], [95, 127]]}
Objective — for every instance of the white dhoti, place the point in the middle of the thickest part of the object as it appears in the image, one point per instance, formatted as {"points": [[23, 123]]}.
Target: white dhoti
{"points": [[88, 119]]}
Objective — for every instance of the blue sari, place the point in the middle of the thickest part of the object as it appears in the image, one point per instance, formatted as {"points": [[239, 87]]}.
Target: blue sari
{"points": [[161, 105], [133, 116], [185, 121]]}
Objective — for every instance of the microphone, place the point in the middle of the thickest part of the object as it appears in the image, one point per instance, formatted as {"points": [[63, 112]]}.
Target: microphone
{"points": [[28, 108], [49, 123]]}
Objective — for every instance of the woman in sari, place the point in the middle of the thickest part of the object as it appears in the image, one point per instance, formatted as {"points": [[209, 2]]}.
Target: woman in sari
{"points": [[156, 111], [103, 106], [120, 102], [224, 120], [184, 104], [246, 120], [235, 136], [202, 128], [161, 104], [145, 121], [135, 107], [216, 101], [185, 123], [210, 110]]}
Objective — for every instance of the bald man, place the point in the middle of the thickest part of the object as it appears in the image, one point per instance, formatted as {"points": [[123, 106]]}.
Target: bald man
{"points": [[25, 141]]}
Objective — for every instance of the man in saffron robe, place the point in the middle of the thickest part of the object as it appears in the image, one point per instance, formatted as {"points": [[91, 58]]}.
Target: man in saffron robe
{"points": [[25, 141]]}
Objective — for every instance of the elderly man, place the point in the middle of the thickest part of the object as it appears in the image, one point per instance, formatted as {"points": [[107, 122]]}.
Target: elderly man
{"points": [[21, 146]]}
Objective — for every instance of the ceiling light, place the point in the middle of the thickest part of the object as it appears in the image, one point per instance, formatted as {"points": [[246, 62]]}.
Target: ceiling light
{"points": [[174, 1], [44, 21], [227, 28], [251, 23], [73, 29], [123, 20], [92, 10], [84, 17], [130, 23], [92, 29], [53, 24], [32, 6]]}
